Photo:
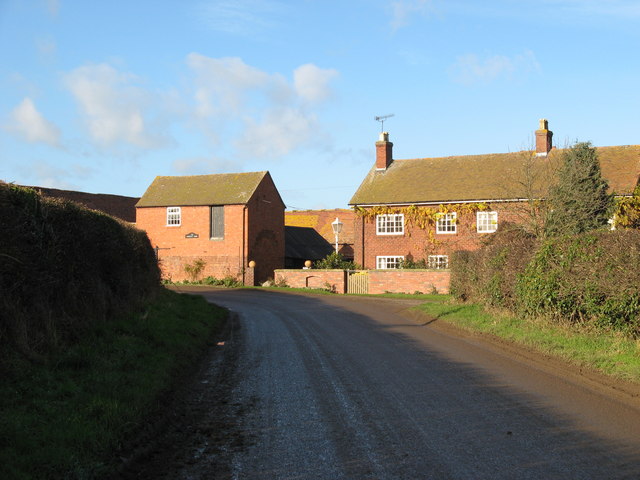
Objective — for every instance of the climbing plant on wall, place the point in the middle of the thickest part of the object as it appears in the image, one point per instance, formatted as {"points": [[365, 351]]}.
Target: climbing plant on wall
{"points": [[420, 216], [627, 211]]}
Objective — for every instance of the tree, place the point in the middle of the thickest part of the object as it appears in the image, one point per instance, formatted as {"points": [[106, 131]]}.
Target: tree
{"points": [[579, 201]]}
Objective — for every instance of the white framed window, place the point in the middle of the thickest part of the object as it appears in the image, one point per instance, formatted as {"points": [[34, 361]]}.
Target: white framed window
{"points": [[390, 224], [446, 223], [174, 216], [438, 261], [486, 222], [389, 261]]}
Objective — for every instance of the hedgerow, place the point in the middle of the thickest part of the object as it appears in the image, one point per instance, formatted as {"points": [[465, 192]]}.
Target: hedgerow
{"points": [[64, 267], [591, 278], [489, 275], [588, 278]]}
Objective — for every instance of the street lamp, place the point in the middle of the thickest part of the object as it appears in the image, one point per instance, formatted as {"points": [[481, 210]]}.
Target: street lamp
{"points": [[337, 228]]}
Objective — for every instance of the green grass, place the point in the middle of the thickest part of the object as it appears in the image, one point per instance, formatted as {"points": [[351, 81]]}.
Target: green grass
{"points": [[427, 297], [608, 352], [65, 417]]}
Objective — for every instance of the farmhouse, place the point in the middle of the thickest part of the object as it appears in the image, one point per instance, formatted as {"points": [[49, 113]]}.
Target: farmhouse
{"points": [[426, 208], [224, 220]]}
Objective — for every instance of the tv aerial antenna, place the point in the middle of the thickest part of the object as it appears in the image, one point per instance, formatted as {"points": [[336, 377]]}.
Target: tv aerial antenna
{"points": [[381, 119]]}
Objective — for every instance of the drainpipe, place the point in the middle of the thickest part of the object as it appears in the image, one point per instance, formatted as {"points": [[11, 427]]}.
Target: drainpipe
{"points": [[362, 243], [244, 241]]}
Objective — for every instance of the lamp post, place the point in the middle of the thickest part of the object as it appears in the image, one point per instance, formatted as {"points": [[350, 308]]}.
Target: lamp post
{"points": [[337, 228]]}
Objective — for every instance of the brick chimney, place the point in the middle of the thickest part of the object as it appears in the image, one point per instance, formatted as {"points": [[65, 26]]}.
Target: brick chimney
{"points": [[543, 139], [384, 150]]}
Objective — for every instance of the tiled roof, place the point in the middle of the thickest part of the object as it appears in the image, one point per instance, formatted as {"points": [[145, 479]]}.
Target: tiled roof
{"points": [[219, 189], [486, 177], [117, 206], [320, 220], [305, 243]]}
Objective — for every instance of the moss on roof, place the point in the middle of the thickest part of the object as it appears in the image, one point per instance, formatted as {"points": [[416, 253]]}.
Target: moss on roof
{"points": [[502, 176], [219, 189]]}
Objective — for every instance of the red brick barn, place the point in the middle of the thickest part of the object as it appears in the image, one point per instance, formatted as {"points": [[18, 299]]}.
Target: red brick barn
{"points": [[426, 208], [225, 220]]}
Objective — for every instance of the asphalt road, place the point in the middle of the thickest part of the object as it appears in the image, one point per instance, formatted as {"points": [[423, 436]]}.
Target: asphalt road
{"points": [[337, 387]]}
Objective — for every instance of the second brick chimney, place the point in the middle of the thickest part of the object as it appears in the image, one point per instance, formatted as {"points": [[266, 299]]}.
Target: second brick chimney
{"points": [[543, 139], [384, 152]]}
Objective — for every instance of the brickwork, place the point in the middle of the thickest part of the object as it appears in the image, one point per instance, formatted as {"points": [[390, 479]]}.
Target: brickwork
{"points": [[380, 281], [175, 250], [409, 281], [384, 152], [251, 232], [265, 233], [417, 244], [309, 278]]}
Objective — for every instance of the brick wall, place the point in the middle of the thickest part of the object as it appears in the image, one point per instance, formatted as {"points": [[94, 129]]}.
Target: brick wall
{"points": [[408, 281], [418, 244], [223, 257], [265, 230], [335, 279], [380, 281]]}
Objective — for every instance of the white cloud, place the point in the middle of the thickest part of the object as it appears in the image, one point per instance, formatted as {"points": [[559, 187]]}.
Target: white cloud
{"points": [[312, 82], [403, 10], [27, 122], [114, 109], [278, 133], [224, 84], [262, 114], [205, 165], [470, 69]]}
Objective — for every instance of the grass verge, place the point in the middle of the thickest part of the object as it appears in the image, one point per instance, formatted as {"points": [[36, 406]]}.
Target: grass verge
{"points": [[608, 352], [64, 418]]}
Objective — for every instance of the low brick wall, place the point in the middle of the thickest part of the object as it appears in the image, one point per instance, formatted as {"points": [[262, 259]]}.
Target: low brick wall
{"points": [[310, 278], [409, 281], [380, 281], [172, 266]]}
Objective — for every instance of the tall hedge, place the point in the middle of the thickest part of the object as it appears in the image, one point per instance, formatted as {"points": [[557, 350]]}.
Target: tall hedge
{"points": [[63, 267], [593, 277], [489, 275], [590, 278]]}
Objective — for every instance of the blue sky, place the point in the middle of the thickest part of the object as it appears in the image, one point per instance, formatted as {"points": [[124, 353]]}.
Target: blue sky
{"points": [[104, 96]]}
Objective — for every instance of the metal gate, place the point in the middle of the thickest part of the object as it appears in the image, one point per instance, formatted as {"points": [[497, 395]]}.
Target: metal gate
{"points": [[358, 281]]}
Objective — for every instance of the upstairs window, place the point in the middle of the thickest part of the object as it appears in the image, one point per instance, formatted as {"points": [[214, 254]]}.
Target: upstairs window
{"points": [[390, 224], [217, 223], [438, 262], [390, 261], [446, 223], [487, 222], [174, 216]]}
